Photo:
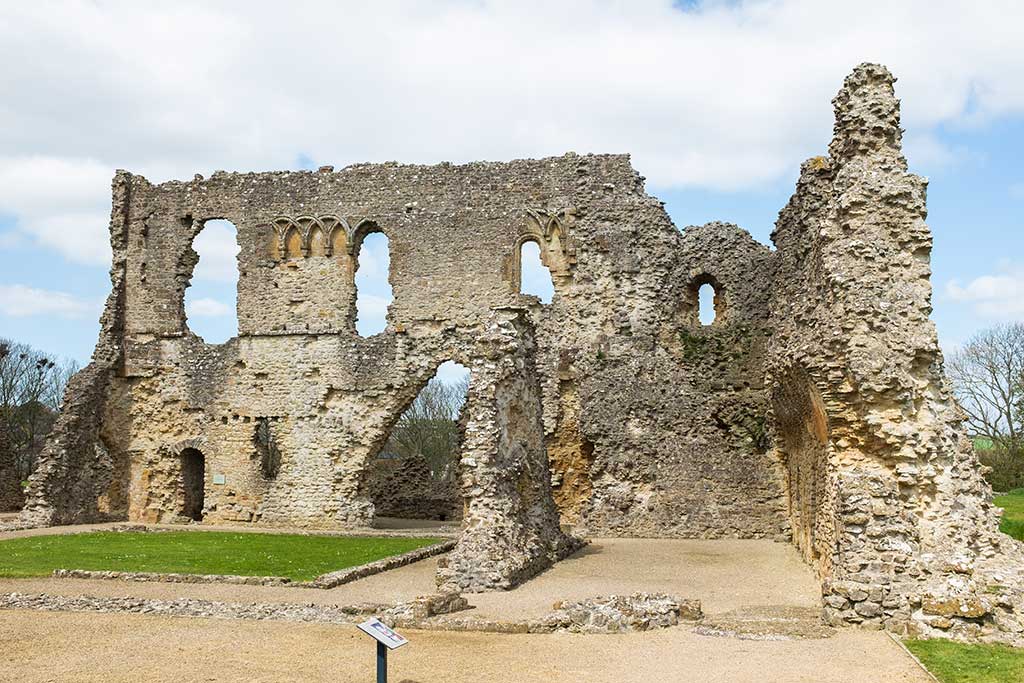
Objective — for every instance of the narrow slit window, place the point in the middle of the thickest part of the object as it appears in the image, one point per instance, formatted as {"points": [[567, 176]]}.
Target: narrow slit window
{"points": [[373, 290], [706, 304]]}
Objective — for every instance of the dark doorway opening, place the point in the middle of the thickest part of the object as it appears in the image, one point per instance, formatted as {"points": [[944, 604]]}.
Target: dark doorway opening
{"points": [[193, 481]]}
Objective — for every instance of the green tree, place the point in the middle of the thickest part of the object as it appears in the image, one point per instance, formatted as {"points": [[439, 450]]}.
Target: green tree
{"points": [[31, 392], [988, 380], [429, 427]]}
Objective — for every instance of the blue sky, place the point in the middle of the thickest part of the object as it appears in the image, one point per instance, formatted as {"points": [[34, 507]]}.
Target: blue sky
{"points": [[718, 102]]}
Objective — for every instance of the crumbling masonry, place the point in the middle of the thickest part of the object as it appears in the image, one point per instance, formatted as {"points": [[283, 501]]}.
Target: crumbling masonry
{"points": [[814, 408]]}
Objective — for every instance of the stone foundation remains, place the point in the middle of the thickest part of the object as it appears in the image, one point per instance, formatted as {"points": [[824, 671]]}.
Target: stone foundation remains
{"points": [[403, 487], [813, 408]]}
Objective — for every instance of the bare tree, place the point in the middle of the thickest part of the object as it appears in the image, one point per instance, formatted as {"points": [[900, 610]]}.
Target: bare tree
{"points": [[988, 379], [31, 392], [429, 426]]}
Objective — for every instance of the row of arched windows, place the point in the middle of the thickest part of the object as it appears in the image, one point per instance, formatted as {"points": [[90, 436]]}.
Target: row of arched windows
{"points": [[211, 298]]}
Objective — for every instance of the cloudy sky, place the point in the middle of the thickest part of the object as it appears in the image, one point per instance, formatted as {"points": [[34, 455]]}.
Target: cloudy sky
{"points": [[718, 102]]}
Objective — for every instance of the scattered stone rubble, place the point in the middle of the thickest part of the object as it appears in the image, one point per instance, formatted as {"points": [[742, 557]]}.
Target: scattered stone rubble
{"points": [[813, 409], [767, 623], [622, 613]]}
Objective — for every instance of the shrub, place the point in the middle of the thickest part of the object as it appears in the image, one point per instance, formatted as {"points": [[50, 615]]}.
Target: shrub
{"points": [[1005, 467]]}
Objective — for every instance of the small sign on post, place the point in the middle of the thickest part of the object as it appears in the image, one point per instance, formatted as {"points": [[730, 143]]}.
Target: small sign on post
{"points": [[387, 639]]}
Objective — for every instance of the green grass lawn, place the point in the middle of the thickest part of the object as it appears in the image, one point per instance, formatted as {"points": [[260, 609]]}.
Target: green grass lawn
{"points": [[958, 663], [297, 557], [1013, 517]]}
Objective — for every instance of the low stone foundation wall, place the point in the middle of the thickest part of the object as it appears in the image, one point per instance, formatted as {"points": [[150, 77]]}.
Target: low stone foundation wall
{"points": [[781, 622], [614, 614], [351, 574], [154, 577], [421, 608]]}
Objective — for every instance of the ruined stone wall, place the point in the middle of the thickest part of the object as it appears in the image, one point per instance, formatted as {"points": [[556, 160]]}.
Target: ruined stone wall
{"points": [[404, 487], [510, 527], [671, 412], [884, 493], [688, 460], [814, 408]]}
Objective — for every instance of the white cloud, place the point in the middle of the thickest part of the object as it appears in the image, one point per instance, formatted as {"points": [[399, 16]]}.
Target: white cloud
{"points": [[19, 301], [372, 306], [207, 308], [217, 246], [728, 96], [999, 296], [61, 203]]}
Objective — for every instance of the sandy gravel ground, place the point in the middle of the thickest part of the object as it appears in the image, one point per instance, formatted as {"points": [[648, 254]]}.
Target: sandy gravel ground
{"points": [[724, 575], [42, 646]]}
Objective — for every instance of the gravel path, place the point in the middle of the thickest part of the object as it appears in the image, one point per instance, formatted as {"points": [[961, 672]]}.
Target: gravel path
{"points": [[724, 575]]}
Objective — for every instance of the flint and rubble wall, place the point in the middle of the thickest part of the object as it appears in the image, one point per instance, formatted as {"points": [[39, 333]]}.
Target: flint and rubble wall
{"points": [[688, 459], [901, 526]]}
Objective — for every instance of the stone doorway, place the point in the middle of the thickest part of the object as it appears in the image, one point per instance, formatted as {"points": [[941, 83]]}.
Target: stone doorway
{"points": [[193, 480]]}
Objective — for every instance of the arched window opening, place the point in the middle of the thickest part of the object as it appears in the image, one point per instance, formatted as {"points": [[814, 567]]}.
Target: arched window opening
{"points": [[706, 311], [373, 290], [415, 474], [193, 483], [211, 300], [534, 276]]}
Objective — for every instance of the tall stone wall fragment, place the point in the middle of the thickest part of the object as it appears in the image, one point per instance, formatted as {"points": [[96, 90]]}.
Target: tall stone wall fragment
{"points": [[884, 492], [81, 477], [511, 526]]}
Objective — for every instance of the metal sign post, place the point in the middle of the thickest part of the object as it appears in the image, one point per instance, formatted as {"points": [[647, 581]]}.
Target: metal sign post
{"points": [[382, 662], [387, 639]]}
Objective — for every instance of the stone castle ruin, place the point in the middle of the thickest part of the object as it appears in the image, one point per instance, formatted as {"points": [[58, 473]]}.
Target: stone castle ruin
{"points": [[813, 409]]}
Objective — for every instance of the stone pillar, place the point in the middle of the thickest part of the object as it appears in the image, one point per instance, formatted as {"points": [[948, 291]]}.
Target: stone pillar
{"points": [[511, 526]]}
